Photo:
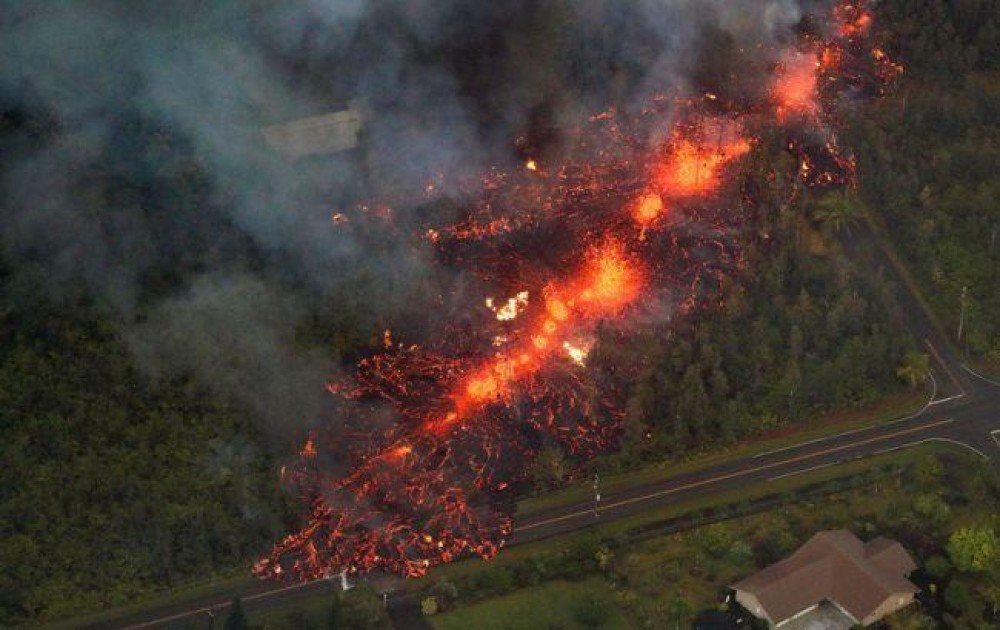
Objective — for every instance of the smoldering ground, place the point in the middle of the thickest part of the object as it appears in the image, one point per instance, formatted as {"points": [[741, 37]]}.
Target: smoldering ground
{"points": [[134, 173]]}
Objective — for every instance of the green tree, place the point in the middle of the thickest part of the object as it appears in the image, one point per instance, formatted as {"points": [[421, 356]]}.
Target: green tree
{"points": [[429, 606], [592, 612], [938, 567], [914, 368], [836, 213], [973, 548], [334, 618], [363, 609], [960, 600], [549, 468]]}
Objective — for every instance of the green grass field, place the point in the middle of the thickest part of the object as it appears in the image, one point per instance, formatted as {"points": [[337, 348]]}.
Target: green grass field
{"points": [[557, 604]]}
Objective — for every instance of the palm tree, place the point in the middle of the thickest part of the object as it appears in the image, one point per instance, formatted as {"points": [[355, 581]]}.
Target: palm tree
{"points": [[837, 213], [914, 368]]}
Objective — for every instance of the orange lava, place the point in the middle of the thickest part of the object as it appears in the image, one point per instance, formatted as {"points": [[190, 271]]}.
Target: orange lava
{"points": [[855, 22], [309, 448], [830, 58], [795, 86], [611, 281], [608, 282], [483, 388], [648, 209], [693, 168]]}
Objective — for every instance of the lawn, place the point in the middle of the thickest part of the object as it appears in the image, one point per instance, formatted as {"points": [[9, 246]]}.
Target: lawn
{"points": [[558, 604]]}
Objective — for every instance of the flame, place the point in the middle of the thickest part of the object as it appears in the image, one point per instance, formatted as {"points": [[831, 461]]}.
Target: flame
{"points": [[576, 353], [693, 168], [648, 209], [531, 165], [795, 88], [830, 59], [309, 448], [608, 281], [611, 281], [854, 19], [511, 308]]}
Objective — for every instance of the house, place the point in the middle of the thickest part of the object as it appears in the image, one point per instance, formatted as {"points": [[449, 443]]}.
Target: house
{"points": [[835, 580]]}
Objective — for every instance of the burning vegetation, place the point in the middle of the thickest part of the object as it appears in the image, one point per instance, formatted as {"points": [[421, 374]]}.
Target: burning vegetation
{"points": [[620, 227]]}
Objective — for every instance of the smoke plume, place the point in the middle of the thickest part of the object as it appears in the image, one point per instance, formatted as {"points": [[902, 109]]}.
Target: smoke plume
{"points": [[142, 178]]}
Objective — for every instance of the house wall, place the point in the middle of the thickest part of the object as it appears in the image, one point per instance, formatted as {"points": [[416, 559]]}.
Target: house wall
{"points": [[751, 603], [891, 604]]}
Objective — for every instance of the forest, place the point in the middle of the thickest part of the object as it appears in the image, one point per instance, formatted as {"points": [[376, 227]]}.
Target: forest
{"points": [[121, 482], [928, 160]]}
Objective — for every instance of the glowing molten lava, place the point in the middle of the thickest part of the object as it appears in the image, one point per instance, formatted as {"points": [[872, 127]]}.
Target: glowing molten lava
{"points": [[607, 283], [693, 167], [648, 209], [584, 239], [795, 88]]}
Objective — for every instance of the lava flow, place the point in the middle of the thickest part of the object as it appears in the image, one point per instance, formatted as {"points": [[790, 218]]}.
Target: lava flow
{"points": [[621, 226]]}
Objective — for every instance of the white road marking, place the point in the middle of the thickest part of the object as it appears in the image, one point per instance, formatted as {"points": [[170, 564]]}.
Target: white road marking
{"points": [[933, 439], [220, 606], [978, 375], [944, 400]]}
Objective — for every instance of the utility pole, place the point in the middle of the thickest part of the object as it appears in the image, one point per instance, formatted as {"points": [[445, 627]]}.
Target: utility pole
{"points": [[597, 494]]}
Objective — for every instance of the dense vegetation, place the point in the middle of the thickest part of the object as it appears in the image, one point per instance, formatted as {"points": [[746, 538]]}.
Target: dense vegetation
{"points": [[113, 486], [929, 158]]}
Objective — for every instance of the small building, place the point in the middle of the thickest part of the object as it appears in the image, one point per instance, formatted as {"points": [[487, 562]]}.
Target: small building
{"points": [[832, 581], [316, 135]]}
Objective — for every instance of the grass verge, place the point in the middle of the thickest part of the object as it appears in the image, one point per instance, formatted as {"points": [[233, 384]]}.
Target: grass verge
{"points": [[556, 604], [886, 409]]}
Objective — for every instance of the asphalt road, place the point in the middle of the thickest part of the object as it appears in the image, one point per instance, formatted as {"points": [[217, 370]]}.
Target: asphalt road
{"points": [[964, 410]]}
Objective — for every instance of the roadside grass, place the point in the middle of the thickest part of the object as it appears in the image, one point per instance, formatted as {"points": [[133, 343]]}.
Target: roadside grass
{"points": [[306, 612], [223, 588], [556, 604], [890, 408]]}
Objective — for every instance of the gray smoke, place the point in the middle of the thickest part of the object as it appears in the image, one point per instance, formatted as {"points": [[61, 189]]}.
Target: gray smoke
{"points": [[213, 273]]}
